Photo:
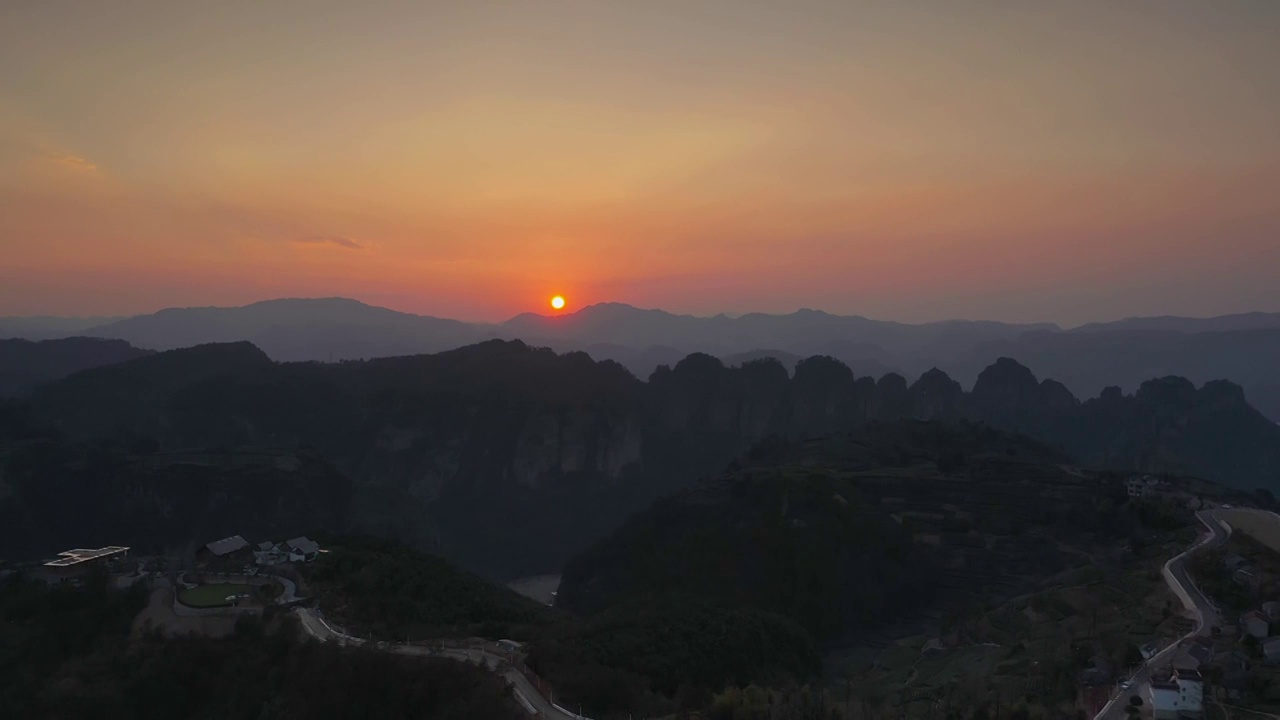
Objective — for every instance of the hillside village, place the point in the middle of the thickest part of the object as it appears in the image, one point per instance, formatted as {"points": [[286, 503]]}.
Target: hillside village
{"points": [[1235, 663], [235, 551]]}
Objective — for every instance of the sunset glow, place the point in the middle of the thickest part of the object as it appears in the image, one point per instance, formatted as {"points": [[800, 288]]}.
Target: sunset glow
{"points": [[912, 161], [557, 302]]}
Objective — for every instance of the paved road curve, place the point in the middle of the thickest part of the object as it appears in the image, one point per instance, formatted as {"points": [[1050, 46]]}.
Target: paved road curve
{"points": [[526, 694], [1175, 574]]}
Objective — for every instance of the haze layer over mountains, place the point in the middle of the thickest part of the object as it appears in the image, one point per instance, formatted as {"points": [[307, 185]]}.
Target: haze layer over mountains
{"points": [[1243, 348]]}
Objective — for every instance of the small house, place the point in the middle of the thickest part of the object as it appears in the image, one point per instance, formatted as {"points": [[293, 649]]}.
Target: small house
{"points": [[269, 553], [1271, 650], [229, 550], [1245, 576], [1200, 652], [1271, 609], [1189, 657], [302, 550], [1255, 624]]}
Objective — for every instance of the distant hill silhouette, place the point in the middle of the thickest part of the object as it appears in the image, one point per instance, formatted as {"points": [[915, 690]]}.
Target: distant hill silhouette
{"points": [[24, 364], [1243, 348], [510, 459], [49, 328], [295, 329], [1089, 361], [852, 339], [1241, 321]]}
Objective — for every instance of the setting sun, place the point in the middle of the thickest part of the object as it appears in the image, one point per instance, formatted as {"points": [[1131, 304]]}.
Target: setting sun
{"points": [[557, 302]]}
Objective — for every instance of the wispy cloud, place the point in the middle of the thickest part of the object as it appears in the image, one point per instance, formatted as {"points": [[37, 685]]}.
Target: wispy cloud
{"points": [[68, 161], [342, 242]]}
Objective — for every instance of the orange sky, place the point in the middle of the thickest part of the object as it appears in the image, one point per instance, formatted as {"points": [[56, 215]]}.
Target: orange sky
{"points": [[1062, 161]]}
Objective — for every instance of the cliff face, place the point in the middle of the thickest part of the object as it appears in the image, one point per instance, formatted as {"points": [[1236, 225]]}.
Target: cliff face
{"points": [[510, 459]]}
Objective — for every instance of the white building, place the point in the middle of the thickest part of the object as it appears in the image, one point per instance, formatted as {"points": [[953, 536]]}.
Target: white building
{"points": [[1164, 699], [1179, 697], [1190, 693]]}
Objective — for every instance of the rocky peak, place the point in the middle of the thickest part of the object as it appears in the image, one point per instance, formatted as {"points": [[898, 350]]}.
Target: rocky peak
{"points": [[936, 395], [1003, 377], [822, 371], [895, 399], [1055, 395], [1171, 392], [1223, 391]]}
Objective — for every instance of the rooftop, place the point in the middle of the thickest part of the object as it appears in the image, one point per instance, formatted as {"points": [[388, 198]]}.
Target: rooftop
{"points": [[303, 545], [227, 545], [79, 555], [1201, 653]]}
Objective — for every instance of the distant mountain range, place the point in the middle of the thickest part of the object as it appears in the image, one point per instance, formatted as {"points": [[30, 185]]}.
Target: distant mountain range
{"points": [[1242, 348], [511, 459]]}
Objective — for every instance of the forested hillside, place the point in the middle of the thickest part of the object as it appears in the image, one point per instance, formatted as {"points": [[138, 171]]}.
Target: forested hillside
{"points": [[510, 459], [67, 653]]}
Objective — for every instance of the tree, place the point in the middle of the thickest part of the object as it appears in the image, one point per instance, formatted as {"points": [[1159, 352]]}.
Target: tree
{"points": [[1132, 656], [1214, 675]]}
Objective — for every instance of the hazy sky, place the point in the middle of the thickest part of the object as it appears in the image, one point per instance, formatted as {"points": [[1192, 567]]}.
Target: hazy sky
{"points": [[1063, 161]]}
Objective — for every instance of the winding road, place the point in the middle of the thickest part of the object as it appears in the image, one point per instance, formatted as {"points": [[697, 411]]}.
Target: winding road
{"points": [[1175, 574], [526, 694]]}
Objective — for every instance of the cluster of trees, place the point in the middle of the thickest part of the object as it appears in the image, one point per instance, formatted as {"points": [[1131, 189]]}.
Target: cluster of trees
{"points": [[66, 653], [765, 540], [655, 653], [41, 629], [381, 586]]}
